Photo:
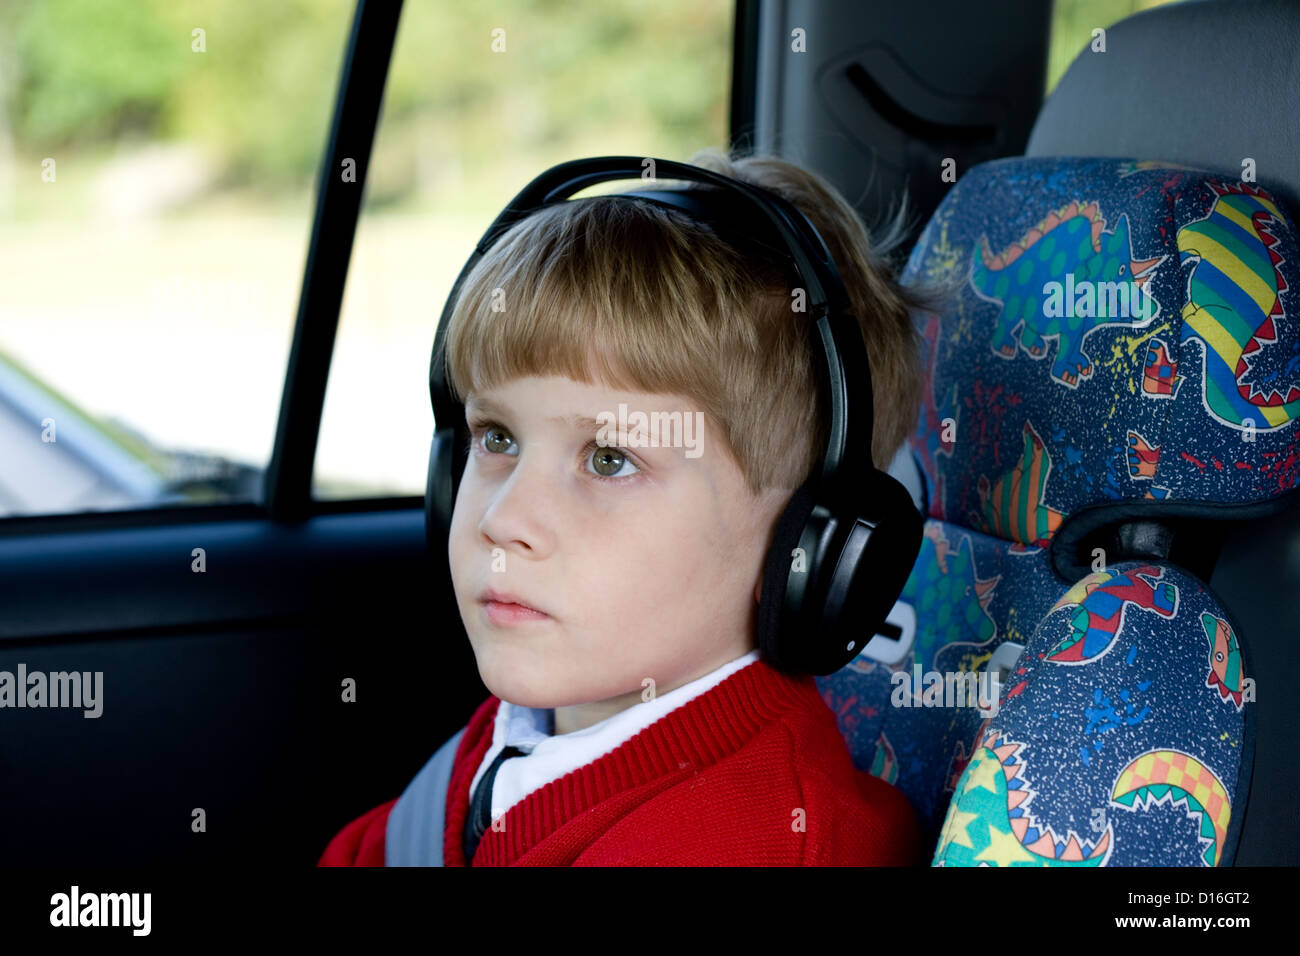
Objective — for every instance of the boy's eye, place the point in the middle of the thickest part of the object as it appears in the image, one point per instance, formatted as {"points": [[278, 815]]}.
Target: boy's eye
{"points": [[496, 440], [605, 461], [608, 462]]}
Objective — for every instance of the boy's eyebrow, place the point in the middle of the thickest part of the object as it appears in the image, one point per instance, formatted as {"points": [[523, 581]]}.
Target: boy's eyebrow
{"points": [[580, 422]]}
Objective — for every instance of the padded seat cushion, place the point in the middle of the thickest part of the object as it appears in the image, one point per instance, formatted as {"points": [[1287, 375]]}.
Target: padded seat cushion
{"points": [[1120, 742]]}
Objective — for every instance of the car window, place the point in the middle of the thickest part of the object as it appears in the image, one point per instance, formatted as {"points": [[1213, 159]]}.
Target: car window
{"points": [[481, 97], [157, 169], [1072, 24]]}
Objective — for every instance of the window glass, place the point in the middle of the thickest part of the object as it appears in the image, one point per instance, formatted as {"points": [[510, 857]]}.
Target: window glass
{"points": [[157, 170]]}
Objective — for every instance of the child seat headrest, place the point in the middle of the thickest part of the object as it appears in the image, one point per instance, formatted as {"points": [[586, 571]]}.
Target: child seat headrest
{"points": [[1121, 353]]}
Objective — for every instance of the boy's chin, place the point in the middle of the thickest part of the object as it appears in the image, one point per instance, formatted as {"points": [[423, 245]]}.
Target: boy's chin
{"points": [[523, 688]]}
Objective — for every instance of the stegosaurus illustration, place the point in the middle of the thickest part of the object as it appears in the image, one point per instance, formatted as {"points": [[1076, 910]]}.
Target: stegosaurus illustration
{"points": [[1069, 243]]}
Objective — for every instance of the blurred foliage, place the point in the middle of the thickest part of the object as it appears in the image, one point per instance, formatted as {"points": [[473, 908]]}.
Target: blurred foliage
{"points": [[88, 72], [88, 75], [648, 78], [1073, 22]]}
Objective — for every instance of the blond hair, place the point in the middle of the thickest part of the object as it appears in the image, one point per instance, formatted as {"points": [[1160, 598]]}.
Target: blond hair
{"points": [[637, 297]]}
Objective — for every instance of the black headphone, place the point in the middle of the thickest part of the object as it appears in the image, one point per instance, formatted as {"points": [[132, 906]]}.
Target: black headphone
{"points": [[846, 542]]}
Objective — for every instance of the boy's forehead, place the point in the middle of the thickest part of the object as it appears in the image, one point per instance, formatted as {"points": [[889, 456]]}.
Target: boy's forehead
{"points": [[566, 401]]}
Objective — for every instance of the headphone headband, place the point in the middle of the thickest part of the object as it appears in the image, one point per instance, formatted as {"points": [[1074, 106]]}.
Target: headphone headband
{"points": [[801, 240]]}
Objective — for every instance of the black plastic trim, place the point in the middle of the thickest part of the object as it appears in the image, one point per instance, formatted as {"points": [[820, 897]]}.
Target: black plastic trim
{"points": [[910, 123], [1089, 523], [107, 521], [95, 582], [338, 207], [744, 76]]}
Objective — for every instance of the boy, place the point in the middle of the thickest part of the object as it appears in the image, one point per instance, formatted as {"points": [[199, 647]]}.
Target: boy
{"points": [[609, 578]]}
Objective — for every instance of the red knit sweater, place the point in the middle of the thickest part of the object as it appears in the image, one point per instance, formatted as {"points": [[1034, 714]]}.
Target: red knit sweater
{"points": [[753, 772]]}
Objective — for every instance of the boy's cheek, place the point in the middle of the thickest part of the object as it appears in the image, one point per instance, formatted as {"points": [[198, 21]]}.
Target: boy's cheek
{"points": [[462, 512], [457, 556]]}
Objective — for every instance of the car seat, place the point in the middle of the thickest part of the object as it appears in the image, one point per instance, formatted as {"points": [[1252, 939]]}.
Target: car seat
{"points": [[1111, 393]]}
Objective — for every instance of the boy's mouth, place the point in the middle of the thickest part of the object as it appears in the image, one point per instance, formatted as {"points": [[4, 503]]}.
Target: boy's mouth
{"points": [[504, 608]]}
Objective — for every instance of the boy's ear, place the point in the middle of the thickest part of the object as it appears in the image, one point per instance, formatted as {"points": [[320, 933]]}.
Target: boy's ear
{"points": [[758, 591]]}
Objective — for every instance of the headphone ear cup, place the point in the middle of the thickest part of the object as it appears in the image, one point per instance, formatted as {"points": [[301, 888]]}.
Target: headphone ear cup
{"points": [[433, 524], [446, 464], [776, 575]]}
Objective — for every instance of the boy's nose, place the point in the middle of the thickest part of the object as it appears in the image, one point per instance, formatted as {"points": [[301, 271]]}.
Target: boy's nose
{"points": [[518, 514]]}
